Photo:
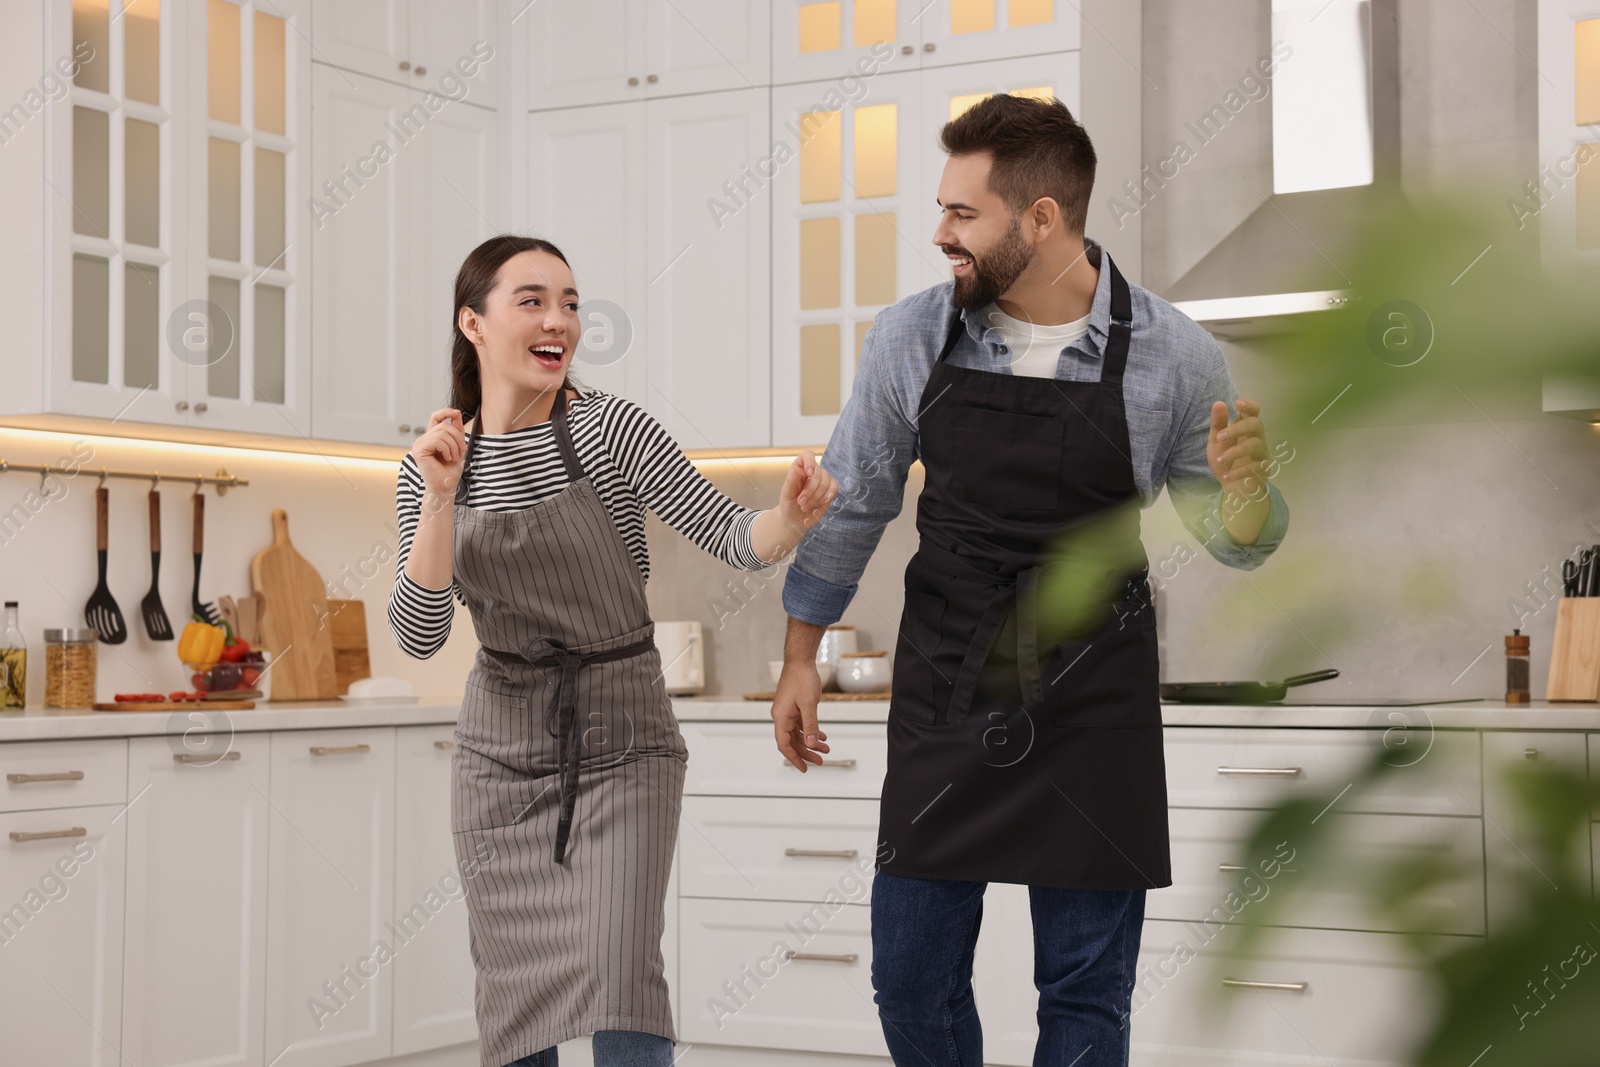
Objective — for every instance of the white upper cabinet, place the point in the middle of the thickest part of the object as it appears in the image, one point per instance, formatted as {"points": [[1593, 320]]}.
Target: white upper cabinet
{"points": [[607, 51], [837, 38], [587, 190], [449, 48], [964, 31], [389, 229], [851, 236], [708, 268]]}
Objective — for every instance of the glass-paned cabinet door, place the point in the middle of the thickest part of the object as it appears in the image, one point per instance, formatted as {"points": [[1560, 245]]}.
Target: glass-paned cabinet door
{"points": [[110, 219], [246, 336], [949, 91], [1569, 134], [966, 31], [845, 40], [851, 235]]}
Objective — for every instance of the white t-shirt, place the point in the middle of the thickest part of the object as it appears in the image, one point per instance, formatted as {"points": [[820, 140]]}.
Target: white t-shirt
{"points": [[1033, 350]]}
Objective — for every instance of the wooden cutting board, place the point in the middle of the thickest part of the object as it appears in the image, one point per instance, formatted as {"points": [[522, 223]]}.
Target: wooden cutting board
{"points": [[294, 609], [347, 621], [174, 705]]}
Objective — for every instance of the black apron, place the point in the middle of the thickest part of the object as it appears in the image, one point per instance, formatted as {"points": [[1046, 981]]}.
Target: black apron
{"points": [[1010, 762]]}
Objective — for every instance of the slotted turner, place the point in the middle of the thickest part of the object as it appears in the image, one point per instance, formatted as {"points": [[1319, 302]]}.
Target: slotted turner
{"points": [[102, 612], [156, 623], [205, 611]]}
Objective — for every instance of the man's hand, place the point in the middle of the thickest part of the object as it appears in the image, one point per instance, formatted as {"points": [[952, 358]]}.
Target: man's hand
{"points": [[1237, 451], [794, 708]]}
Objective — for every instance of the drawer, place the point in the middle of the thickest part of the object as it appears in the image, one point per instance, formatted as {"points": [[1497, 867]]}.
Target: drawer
{"points": [[1309, 987], [741, 759], [738, 985], [778, 848], [1209, 888], [1436, 772], [63, 774]]}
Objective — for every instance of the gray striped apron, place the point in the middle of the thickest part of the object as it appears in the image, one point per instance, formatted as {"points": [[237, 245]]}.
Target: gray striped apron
{"points": [[568, 772]]}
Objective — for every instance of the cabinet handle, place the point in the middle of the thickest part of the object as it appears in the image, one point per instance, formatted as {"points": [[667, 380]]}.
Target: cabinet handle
{"points": [[652, 79], [43, 835], [182, 405], [1231, 867], [338, 750], [1261, 772], [405, 64], [1286, 987], [845, 763], [421, 71], [405, 428], [53, 776], [825, 957], [633, 81], [906, 50], [1530, 753], [201, 758], [444, 744], [200, 408], [929, 47], [825, 853]]}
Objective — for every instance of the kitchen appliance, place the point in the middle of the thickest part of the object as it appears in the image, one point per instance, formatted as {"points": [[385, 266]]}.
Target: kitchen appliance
{"points": [[1238, 692], [683, 665]]}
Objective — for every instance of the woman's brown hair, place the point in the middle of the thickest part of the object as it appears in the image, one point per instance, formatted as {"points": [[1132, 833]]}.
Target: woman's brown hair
{"points": [[474, 282]]}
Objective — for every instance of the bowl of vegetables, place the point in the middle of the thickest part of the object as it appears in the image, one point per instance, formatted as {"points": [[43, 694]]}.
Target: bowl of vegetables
{"points": [[220, 662]]}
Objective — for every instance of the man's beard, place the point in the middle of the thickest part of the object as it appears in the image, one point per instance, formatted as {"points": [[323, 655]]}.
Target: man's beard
{"points": [[995, 273]]}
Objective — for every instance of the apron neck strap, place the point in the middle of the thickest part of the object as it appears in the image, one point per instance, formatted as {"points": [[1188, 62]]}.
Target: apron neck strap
{"points": [[1118, 336], [558, 419]]}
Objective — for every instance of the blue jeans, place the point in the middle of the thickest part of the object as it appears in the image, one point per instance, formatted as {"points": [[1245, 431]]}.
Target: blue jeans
{"points": [[614, 1048], [1085, 953]]}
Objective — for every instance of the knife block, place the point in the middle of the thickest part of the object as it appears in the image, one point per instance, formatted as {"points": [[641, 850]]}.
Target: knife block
{"points": [[1575, 656]]}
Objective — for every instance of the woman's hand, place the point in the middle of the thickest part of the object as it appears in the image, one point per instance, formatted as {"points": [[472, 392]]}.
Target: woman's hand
{"points": [[807, 492], [439, 452]]}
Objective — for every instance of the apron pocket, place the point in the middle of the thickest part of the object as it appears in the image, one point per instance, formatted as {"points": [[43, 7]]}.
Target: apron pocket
{"points": [[918, 687], [1110, 679], [1008, 460]]}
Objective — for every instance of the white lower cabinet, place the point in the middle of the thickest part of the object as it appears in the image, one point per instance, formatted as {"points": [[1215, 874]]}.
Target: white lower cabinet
{"points": [[1311, 997], [197, 902], [1511, 843], [61, 891], [779, 975], [330, 898], [777, 848]]}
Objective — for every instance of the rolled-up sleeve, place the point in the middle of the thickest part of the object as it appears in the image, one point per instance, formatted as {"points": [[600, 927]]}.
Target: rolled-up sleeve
{"points": [[872, 447]]}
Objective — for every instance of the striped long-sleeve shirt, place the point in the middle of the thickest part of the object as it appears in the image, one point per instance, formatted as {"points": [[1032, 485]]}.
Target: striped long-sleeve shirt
{"points": [[633, 463]]}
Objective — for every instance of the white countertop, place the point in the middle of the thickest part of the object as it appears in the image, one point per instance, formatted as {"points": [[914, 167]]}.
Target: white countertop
{"points": [[41, 724]]}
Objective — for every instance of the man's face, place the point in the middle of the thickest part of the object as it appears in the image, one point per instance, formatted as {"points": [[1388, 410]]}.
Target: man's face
{"points": [[981, 238]]}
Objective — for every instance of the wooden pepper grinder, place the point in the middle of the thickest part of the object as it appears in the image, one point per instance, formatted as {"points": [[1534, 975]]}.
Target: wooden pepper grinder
{"points": [[1517, 673]]}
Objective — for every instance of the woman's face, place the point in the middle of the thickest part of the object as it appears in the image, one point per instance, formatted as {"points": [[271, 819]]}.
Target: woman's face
{"points": [[529, 326]]}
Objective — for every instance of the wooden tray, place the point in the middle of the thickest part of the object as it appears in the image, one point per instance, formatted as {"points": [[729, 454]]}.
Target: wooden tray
{"points": [[175, 705], [826, 696]]}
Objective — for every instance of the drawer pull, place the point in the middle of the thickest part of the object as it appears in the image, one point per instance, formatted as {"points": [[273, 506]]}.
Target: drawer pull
{"points": [[845, 763], [201, 758], [825, 957], [1260, 772], [338, 750], [444, 744], [825, 853], [45, 835], [53, 776], [1285, 987], [1231, 867]]}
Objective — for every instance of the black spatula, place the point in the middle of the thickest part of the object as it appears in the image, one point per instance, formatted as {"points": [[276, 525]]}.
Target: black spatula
{"points": [[102, 612], [156, 623], [205, 611]]}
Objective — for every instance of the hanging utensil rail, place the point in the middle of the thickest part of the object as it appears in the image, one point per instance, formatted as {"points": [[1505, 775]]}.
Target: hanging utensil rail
{"points": [[222, 479]]}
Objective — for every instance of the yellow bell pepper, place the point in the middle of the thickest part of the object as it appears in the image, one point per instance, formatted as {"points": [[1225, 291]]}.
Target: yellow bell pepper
{"points": [[200, 645]]}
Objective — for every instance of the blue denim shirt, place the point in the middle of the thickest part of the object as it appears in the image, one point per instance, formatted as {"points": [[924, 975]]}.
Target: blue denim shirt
{"points": [[1175, 373]]}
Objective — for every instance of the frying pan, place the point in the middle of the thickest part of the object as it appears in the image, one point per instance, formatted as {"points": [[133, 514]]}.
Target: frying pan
{"points": [[1238, 692]]}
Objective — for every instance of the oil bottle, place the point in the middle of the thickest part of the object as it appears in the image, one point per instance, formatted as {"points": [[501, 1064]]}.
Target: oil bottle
{"points": [[13, 662]]}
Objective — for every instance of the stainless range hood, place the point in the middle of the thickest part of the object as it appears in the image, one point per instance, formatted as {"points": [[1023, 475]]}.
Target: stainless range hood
{"points": [[1335, 157]]}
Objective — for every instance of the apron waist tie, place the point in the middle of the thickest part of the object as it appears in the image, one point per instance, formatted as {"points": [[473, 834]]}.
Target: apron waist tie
{"points": [[561, 715]]}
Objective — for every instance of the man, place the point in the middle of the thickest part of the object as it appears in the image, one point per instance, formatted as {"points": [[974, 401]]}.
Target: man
{"points": [[1048, 400]]}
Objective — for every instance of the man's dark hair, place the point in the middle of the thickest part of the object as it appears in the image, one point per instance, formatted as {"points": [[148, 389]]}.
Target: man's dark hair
{"points": [[1038, 150]]}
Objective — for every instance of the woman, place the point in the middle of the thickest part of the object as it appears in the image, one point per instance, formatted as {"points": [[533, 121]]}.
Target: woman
{"points": [[568, 763]]}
